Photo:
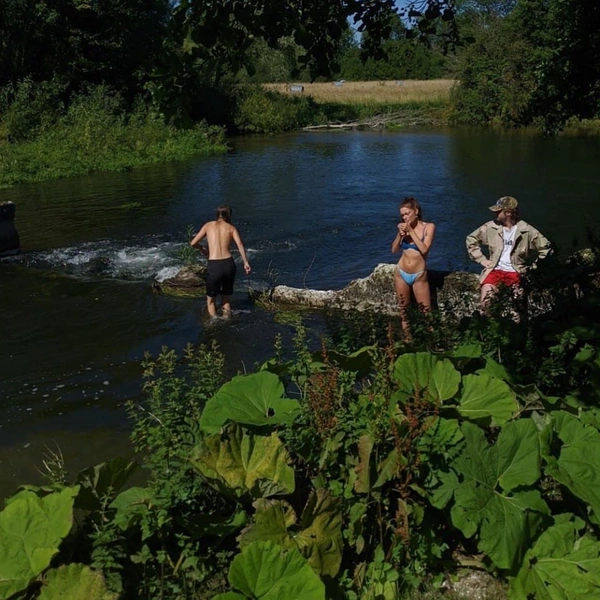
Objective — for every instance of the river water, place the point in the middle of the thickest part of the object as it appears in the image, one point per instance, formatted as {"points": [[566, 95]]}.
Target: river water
{"points": [[317, 209]]}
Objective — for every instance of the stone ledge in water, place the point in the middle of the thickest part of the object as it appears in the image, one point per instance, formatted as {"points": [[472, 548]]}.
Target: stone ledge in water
{"points": [[189, 281], [454, 293]]}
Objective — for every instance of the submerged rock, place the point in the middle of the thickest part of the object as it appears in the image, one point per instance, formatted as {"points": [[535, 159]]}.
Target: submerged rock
{"points": [[189, 281]]}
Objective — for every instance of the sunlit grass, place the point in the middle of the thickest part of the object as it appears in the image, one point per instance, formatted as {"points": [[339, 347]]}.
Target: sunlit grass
{"points": [[373, 92]]}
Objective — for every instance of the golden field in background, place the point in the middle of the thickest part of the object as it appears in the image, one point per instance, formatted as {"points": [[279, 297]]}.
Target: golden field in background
{"points": [[372, 92]]}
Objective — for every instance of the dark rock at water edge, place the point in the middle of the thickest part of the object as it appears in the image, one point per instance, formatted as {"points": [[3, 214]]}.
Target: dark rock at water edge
{"points": [[189, 281], [9, 237]]}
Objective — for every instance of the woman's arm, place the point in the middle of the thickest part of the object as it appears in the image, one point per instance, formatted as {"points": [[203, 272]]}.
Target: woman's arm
{"points": [[423, 244], [399, 237], [198, 237]]}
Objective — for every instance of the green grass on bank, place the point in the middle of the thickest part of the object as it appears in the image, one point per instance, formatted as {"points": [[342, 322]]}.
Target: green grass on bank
{"points": [[71, 149]]}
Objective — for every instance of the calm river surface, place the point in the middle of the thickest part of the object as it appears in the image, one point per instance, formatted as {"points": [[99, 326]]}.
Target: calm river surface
{"points": [[316, 209]]}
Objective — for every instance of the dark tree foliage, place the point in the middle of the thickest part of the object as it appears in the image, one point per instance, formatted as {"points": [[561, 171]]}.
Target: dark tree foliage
{"points": [[80, 42], [537, 64]]}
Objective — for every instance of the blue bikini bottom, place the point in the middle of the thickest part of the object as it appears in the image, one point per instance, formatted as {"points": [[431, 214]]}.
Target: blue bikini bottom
{"points": [[409, 278]]}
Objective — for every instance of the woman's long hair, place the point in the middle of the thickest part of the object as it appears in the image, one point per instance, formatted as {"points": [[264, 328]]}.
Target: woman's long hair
{"points": [[224, 212], [412, 203]]}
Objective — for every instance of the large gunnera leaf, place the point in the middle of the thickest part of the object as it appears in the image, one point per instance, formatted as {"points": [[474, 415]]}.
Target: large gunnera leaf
{"points": [[560, 566], [484, 481], [578, 466], [425, 375], [240, 463], [75, 582], [255, 399], [265, 571], [318, 536], [484, 396], [31, 530]]}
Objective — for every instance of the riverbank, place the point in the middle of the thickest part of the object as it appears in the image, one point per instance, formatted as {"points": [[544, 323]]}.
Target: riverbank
{"points": [[77, 149]]}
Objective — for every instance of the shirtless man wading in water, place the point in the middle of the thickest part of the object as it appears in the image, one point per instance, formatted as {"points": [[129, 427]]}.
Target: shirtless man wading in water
{"points": [[221, 267]]}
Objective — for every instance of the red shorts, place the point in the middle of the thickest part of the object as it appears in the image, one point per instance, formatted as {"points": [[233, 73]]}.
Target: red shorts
{"points": [[497, 277]]}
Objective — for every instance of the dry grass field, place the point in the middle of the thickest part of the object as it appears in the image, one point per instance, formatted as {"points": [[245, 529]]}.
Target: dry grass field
{"points": [[373, 92]]}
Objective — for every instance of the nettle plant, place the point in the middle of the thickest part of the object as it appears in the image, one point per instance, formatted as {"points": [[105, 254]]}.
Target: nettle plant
{"points": [[333, 476]]}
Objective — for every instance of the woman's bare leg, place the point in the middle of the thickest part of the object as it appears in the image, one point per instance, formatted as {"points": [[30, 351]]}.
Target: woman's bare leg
{"points": [[403, 295], [422, 292]]}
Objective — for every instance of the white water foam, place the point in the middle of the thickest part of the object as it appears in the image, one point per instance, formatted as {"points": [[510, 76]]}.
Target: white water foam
{"points": [[156, 259], [109, 259]]}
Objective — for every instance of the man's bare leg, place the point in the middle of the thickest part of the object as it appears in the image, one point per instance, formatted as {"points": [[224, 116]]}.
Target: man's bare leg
{"points": [[211, 306], [487, 293], [226, 306]]}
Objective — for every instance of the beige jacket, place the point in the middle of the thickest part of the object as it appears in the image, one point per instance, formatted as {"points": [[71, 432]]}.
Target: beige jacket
{"points": [[530, 245]]}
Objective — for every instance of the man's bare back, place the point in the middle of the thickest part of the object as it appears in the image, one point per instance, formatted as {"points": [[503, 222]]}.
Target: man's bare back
{"points": [[219, 234]]}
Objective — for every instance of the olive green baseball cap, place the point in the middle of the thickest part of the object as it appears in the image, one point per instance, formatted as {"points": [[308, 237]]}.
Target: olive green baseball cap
{"points": [[505, 203]]}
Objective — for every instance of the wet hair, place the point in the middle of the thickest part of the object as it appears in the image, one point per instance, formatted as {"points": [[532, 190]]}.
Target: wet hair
{"points": [[224, 212], [412, 203]]}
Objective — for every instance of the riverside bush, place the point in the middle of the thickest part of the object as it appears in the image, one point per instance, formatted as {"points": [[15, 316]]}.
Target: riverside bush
{"points": [[264, 111], [96, 133]]}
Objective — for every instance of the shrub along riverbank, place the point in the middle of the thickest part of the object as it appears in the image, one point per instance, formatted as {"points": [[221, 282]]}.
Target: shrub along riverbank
{"points": [[349, 472], [95, 133]]}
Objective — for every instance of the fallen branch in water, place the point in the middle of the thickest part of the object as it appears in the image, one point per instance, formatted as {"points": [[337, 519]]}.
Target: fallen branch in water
{"points": [[379, 121]]}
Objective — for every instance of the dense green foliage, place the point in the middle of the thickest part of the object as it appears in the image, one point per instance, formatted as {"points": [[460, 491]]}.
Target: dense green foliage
{"points": [[95, 133], [344, 475], [533, 62]]}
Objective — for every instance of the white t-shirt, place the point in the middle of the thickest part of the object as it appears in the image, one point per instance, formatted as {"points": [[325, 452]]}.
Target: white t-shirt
{"points": [[504, 263]]}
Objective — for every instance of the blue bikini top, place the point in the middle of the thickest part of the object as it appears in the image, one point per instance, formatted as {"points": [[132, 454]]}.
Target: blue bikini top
{"points": [[411, 245]]}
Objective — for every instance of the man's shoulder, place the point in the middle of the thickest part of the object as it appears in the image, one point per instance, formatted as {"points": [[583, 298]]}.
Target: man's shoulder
{"points": [[490, 225]]}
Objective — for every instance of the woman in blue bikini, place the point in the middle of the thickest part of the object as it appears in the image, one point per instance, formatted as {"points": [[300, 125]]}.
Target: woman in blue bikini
{"points": [[414, 240]]}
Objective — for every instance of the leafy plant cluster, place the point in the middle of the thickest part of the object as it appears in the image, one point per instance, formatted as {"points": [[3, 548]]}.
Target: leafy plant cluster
{"points": [[530, 63], [361, 474], [355, 472]]}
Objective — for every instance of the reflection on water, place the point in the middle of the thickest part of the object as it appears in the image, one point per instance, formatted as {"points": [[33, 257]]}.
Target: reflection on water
{"points": [[314, 209]]}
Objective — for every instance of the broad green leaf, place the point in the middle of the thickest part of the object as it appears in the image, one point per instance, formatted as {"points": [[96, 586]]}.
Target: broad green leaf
{"points": [[578, 466], [31, 530], [467, 351], [318, 536], [265, 571], [494, 369], [387, 469], [484, 396], [230, 596], [482, 500], [444, 381], [240, 463], [130, 506], [561, 565], [102, 480], [423, 374], [271, 522], [362, 484], [442, 435], [412, 371], [255, 399], [75, 582]]}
